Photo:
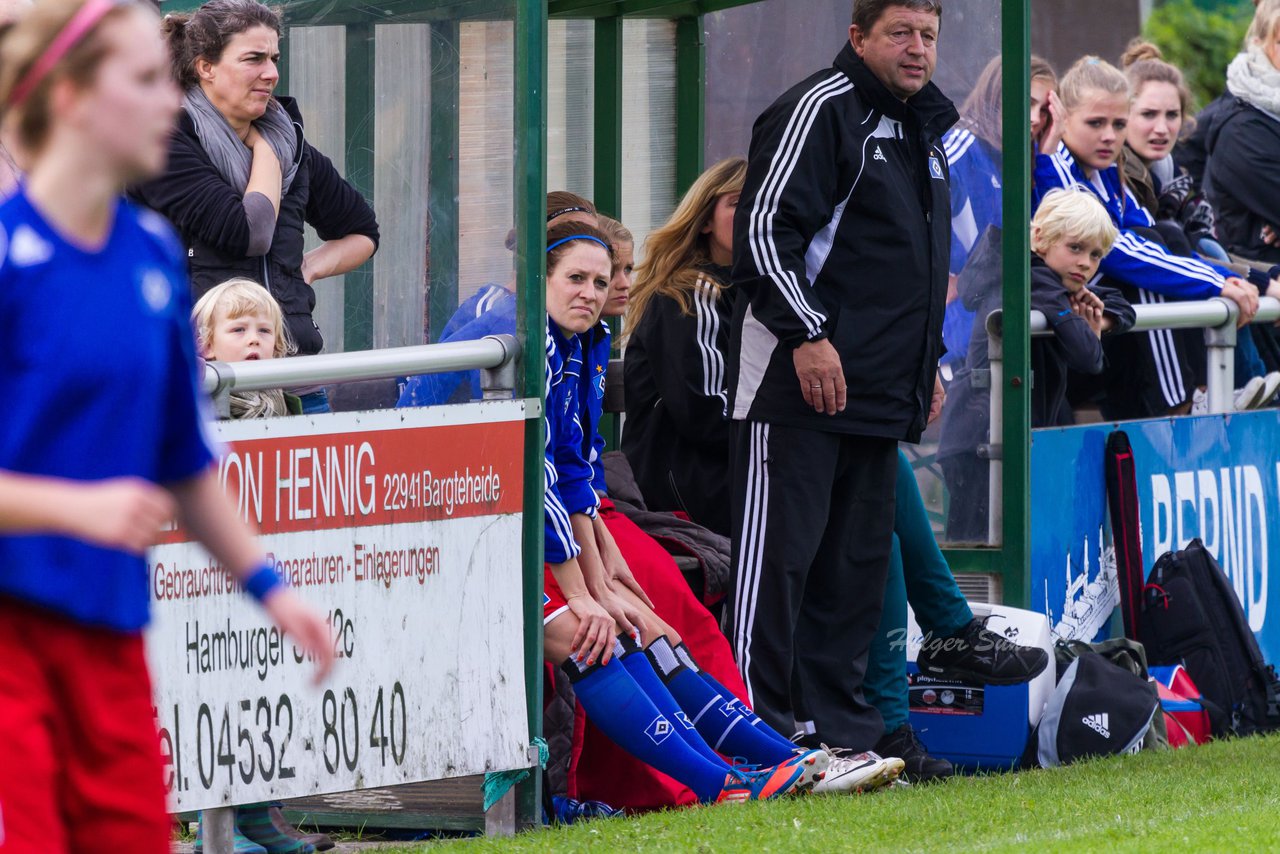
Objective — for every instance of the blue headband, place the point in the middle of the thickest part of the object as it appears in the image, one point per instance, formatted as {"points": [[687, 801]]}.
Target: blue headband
{"points": [[565, 240]]}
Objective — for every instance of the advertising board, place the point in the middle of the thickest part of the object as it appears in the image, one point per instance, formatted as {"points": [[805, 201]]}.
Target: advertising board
{"points": [[1214, 477], [404, 528]]}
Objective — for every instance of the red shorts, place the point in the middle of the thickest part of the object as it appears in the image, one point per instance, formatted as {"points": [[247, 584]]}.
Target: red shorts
{"points": [[80, 766], [553, 601]]}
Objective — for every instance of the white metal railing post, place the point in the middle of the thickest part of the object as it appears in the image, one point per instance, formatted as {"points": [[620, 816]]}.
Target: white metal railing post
{"points": [[995, 431], [493, 354], [1220, 341], [498, 383], [217, 830]]}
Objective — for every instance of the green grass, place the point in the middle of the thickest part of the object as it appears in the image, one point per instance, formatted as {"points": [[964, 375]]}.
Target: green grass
{"points": [[1223, 796]]}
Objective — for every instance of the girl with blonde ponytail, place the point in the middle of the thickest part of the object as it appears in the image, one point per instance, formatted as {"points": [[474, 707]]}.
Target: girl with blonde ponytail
{"points": [[103, 443]]}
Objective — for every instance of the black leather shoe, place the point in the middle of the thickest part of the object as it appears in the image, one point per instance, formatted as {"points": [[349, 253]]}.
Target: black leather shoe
{"points": [[920, 767], [977, 654]]}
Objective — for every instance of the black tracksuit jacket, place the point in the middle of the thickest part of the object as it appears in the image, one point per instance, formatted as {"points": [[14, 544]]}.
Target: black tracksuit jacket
{"points": [[676, 437], [209, 216], [1243, 179], [843, 231]]}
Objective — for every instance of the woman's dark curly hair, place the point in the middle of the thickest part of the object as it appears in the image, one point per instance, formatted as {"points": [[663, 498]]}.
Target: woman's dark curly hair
{"points": [[205, 33]]}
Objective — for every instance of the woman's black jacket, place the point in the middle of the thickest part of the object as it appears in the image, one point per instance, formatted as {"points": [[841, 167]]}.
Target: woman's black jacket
{"points": [[209, 215]]}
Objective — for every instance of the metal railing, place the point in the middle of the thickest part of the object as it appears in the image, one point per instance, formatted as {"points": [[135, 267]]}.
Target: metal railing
{"points": [[1217, 317], [494, 356]]}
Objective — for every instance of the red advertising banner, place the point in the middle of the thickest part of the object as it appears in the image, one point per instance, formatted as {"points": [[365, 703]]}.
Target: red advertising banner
{"points": [[373, 477]]}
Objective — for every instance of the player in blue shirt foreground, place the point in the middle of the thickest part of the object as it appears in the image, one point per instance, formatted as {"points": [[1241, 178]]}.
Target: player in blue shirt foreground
{"points": [[102, 442]]}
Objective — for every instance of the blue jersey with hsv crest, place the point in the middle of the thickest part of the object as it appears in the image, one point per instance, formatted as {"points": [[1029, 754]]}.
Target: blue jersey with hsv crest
{"points": [[98, 365]]}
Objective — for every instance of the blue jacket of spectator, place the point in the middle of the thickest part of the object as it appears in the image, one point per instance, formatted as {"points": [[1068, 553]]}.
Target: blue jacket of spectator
{"points": [[1134, 260], [567, 474], [976, 203], [491, 311]]}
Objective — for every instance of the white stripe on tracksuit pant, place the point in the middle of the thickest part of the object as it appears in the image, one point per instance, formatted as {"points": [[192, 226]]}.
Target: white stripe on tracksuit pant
{"points": [[813, 525]]}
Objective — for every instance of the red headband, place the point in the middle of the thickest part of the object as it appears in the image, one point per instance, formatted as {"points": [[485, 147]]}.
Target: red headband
{"points": [[76, 29]]}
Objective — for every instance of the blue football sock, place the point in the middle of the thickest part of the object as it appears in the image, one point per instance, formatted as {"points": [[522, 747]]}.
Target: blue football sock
{"points": [[641, 669], [752, 718], [719, 720], [622, 711]]}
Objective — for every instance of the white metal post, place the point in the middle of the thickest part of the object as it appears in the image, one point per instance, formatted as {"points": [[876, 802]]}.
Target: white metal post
{"points": [[995, 432], [217, 830], [1220, 341]]}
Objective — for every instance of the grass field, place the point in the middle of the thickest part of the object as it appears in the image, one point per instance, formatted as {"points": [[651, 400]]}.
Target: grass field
{"points": [[1223, 796]]}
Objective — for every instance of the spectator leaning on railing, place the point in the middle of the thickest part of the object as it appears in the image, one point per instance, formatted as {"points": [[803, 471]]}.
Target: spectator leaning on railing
{"points": [[1243, 174], [242, 180], [239, 321], [1158, 117], [1159, 371], [1070, 234]]}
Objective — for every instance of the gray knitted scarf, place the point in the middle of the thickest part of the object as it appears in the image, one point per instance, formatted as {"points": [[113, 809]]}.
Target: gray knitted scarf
{"points": [[230, 156], [1251, 77]]}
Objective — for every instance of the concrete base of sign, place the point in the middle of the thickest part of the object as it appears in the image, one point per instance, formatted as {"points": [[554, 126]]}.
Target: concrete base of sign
{"points": [[500, 820]]}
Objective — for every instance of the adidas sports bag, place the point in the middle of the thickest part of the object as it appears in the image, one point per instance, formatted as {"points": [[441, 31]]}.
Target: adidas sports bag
{"points": [[1098, 709]]}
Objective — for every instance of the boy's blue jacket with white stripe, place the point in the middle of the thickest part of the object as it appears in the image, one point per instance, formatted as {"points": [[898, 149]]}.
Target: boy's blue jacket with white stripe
{"points": [[567, 474], [843, 231], [1134, 260]]}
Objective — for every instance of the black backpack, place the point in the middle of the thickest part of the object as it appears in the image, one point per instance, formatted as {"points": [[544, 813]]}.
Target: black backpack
{"points": [[1191, 616]]}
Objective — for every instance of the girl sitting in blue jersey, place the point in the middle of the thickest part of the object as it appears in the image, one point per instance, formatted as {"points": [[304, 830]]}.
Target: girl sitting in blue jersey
{"points": [[1155, 373], [627, 699], [103, 442]]}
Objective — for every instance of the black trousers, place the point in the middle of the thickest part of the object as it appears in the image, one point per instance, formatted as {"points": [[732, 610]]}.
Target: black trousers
{"points": [[813, 527]]}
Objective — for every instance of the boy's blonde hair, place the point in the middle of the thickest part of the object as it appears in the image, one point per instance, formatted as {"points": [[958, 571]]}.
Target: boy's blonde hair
{"points": [[237, 298], [1072, 215]]}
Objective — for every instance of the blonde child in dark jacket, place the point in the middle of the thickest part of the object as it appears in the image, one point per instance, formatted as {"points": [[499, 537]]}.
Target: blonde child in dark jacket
{"points": [[239, 321], [1070, 235]]}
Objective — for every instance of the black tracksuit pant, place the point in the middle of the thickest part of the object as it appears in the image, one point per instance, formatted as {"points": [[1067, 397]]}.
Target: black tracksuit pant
{"points": [[812, 532]]}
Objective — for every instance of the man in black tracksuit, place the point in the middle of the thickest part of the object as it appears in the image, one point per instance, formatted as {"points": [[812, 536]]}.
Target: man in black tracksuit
{"points": [[841, 245]]}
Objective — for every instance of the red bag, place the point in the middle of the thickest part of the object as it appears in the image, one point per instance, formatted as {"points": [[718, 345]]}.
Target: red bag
{"points": [[1185, 716]]}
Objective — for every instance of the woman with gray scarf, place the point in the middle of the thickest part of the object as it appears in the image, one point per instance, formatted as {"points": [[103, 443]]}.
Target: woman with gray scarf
{"points": [[1243, 173], [242, 180]]}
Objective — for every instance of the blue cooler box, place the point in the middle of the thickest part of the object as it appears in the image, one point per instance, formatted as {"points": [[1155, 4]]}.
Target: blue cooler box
{"points": [[981, 727]]}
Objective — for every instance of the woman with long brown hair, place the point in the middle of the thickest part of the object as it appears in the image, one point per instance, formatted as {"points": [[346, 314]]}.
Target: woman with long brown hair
{"points": [[975, 154], [676, 435]]}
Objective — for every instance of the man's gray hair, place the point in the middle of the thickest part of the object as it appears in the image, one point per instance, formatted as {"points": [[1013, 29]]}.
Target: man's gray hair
{"points": [[867, 12]]}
